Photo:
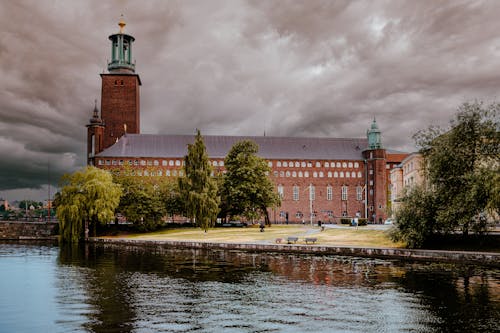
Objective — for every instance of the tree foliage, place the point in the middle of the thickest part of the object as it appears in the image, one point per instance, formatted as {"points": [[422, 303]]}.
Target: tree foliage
{"points": [[198, 189], [146, 200], [247, 190], [462, 166], [88, 195]]}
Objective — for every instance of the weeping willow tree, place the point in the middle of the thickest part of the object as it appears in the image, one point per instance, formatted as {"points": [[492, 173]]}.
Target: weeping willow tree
{"points": [[198, 189], [88, 197]]}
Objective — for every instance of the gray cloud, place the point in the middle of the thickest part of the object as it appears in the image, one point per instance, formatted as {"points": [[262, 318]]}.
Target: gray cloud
{"points": [[301, 68]]}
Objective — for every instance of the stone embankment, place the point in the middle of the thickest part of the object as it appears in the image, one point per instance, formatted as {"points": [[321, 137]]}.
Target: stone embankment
{"points": [[20, 230], [480, 258]]}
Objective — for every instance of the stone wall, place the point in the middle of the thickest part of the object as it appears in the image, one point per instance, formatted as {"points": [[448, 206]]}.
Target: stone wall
{"points": [[28, 230], [478, 258]]}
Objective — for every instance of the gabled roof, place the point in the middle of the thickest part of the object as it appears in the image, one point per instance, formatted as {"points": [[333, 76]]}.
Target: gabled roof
{"points": [[175, 146]]}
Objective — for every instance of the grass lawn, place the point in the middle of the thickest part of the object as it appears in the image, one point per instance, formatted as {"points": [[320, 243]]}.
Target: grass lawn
{"points": [[340, 236]]}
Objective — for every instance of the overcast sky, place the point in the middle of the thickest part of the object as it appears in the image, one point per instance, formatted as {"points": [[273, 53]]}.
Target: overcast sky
{"points": [[286, 68]]}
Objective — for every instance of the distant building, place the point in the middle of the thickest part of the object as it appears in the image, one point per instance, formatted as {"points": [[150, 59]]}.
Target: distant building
{"points": [[317, 178], [405, 176]]}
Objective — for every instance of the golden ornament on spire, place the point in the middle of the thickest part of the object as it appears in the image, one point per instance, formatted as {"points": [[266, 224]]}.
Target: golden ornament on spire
{"points": [[122, 24]]}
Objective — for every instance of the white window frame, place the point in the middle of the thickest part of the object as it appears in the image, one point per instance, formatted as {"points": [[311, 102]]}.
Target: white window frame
{"points": [[296, 196], [344, 192]]}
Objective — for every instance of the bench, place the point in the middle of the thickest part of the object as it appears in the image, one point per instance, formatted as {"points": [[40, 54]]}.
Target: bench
{"points": [[279, 240], [310, 239], [292, 239]]}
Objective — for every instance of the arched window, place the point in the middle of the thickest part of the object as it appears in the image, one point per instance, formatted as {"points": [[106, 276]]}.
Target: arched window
{"points": [[329, 193], [281, 191], [359, 193], [295, 193], [344, 193]]}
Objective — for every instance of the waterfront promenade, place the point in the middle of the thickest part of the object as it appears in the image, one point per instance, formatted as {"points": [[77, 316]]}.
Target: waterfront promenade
{"points": [[371, 241]]}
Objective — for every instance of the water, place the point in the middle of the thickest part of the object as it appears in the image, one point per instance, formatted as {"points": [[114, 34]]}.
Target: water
{"points": [[124, 289]]}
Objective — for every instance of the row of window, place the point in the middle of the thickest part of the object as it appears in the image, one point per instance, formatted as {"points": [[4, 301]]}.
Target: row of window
{"points": [[304, 164], [311, 189], [320, 174], [296, 164], [147, 162]]}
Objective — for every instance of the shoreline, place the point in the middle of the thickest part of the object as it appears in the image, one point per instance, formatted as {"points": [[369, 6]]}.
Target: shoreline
{"points": [[491, 259]]}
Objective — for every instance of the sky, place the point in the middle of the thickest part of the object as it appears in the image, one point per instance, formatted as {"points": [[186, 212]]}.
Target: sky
{"points": [[235, 67]]}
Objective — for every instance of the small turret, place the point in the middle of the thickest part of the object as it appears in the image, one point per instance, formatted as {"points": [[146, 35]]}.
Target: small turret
{"points": [[95, 132], [95, 120], [374, 136]]}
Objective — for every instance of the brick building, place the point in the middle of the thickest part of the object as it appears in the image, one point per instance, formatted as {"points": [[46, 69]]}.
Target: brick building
{"points": [[317, 178]]}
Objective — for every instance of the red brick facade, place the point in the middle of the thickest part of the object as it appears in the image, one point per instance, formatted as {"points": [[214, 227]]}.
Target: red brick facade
{"points": [[119, 105], [339, 185], [347, 181]]}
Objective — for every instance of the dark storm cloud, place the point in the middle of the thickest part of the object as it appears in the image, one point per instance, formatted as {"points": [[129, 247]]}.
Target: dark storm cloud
{"points": [[301, 68]]}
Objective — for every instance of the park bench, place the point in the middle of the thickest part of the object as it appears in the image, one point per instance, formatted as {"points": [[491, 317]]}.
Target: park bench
{"points": [[310, 240], [292, 239]]}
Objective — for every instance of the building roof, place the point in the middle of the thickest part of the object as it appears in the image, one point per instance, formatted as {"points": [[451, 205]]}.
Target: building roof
{"points": [[175, 146]]}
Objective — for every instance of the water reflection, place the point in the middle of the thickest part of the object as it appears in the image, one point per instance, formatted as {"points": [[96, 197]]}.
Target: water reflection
{"points": [[131, 289], [179, 290]]}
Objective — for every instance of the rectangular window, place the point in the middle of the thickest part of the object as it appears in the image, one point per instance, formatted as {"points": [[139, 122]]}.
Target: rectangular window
{"points": [[344, 193], [329, 193], [359, 193], [295, 193], [312, 193], [281, 191]]}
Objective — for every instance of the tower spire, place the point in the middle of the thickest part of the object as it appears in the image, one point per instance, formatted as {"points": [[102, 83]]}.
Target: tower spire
{"points": [[122, 24]]}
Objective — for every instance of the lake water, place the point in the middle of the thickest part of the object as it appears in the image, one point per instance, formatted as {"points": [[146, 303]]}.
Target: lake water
{"points": [[44, 288]]}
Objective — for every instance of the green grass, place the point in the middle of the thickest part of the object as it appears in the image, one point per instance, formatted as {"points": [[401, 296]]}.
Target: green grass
{"points": [[346, 236]]}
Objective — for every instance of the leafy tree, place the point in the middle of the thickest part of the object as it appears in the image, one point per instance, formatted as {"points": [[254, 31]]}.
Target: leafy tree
{"points": [[462, 167], [147, 199], [88, 196], [247, 190], [198, 189], [26, 204], [415, 218], [171, 199]]}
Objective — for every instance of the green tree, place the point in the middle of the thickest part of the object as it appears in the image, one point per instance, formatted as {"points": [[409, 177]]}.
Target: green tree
{"points": [[146, 200], [88, 197], [415, 218], [26, 204], [198, 189], [462, 164], [247, 190]]}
